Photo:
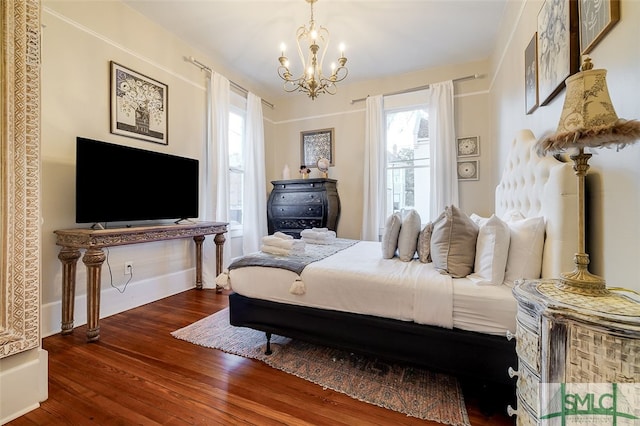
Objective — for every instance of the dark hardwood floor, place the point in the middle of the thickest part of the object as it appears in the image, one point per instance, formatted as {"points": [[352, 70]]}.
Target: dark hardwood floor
{"points": [[139, 374]]}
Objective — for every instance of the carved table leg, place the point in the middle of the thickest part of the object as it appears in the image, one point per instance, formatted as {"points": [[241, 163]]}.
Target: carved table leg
{"points": [[219, 240], [198, 240], [69, 258], [93, 259]]}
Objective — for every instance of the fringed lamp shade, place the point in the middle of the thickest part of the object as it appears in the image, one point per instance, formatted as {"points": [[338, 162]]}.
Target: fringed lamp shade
{"points": [[588, 120]]}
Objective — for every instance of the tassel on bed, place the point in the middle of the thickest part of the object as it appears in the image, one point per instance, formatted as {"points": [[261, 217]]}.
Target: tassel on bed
{"points": [[298, 287], [223, 280]]}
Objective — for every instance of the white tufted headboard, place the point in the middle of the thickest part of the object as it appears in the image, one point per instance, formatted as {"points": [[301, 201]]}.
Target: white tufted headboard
{"points": [[542, 186]]}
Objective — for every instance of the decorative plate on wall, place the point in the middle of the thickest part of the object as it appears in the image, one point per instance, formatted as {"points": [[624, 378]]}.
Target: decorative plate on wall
{"points": [[468, 170]]}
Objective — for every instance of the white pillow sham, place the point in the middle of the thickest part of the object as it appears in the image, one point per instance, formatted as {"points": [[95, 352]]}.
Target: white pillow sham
{"points": [[492, 250], [525, 249], [390, 236], [408, 238]]}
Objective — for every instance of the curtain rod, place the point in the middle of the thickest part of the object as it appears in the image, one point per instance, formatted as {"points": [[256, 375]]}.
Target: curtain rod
{"points": [[203, 67], [415, 89]]}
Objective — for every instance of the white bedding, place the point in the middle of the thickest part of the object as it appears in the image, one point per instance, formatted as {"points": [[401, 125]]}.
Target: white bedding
{"points": [[358, 280]]}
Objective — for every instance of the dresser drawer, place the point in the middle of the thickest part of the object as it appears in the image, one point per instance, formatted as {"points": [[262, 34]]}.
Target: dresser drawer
{"points": [[302, 198], [527, 342], [525, 417], [294, 226], [302, 185], [528, 389], [296, 211]]}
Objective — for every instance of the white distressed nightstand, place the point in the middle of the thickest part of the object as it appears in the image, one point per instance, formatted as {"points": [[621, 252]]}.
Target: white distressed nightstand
{"points": [[566, 338]]}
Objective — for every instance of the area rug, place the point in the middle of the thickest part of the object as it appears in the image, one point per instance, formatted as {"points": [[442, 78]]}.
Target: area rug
{"points": [[408, 390]]}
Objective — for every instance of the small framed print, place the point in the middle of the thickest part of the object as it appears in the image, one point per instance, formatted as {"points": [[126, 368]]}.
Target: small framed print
{"points": [[468, 147], [138, 105], [468, 170], [557, 51], [596, 20], [531, 75], [316, 144]]}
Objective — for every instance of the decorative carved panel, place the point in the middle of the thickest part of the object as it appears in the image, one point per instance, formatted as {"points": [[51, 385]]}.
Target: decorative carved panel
{"points": [[20, 175]]}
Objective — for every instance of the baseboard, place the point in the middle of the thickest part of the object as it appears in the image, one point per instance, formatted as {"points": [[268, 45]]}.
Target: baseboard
{"points": [[23, 383], [112, 301]]}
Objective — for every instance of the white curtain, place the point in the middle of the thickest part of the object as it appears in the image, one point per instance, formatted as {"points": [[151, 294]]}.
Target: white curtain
{"points": [[215, 205], [374, 158], [444, 177], [254, 198]]}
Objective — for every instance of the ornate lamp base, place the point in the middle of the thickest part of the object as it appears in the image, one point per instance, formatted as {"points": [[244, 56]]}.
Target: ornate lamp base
{"points": [[581, 281]]}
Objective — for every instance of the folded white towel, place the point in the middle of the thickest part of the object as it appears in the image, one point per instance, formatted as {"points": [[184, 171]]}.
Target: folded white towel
{"points": [[315, 235], [318, 240], [282, 235], [320, 229], [275, 250], [271, 240]]}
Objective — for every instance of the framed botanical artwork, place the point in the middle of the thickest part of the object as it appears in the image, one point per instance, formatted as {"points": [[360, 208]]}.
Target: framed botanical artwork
{"points": [[558, 56], [468, 147], [531, 76], [596, 19], [316, 144], [468, 170], [139, 105]]}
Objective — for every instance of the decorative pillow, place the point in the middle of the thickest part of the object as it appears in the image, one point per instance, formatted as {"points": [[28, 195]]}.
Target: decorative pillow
{"points": [[525, 249], [390, 235], [424, 243], [492, 251], [453, 243], [408, 238]]}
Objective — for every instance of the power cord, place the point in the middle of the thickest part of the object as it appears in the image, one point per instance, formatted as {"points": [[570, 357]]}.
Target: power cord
{"points": [[111, 276]]}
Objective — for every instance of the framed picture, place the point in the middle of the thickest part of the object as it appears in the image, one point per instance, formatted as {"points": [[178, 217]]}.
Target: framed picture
{"points": [[138, 105], [468, 147], [596, 19], [316, 144], [531, 76], [468, 170], [558, 56]]}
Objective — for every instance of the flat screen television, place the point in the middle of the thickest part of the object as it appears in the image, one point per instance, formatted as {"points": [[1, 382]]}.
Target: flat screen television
{"points": [[116, 183]]}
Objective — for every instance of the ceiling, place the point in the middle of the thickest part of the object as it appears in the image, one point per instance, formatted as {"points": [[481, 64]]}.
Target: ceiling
{"points": [[381, 37]]}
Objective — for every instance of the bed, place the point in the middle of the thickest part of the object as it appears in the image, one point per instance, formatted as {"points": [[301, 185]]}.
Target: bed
{"points": [[475, 345]]}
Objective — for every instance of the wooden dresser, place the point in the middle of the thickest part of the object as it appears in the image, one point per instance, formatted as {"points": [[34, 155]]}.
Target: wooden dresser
{"points": [[299, 204], [565, 341]]}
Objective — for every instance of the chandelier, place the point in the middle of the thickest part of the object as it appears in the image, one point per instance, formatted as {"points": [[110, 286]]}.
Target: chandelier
{"points": [[312, 81]]}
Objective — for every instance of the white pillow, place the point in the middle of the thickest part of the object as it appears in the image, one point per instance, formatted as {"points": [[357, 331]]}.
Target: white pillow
{"points": [[408, 238], [525, 249], [492, 251], [390, 235]]}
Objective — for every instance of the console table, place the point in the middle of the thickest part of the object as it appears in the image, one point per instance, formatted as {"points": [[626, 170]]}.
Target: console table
{"points": [[94, 240]]}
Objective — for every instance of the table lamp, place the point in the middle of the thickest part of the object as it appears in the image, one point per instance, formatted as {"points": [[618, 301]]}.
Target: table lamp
{"points": [[588, 120]]}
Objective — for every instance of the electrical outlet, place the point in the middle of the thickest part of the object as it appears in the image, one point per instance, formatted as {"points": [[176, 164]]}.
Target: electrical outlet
{"points": [[128, 268]]}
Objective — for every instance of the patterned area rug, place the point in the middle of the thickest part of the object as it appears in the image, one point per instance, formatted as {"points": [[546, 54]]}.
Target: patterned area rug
{"points": [[412, 391]]}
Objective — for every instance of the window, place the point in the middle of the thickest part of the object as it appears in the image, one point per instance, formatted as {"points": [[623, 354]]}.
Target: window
{"points": [[407, 160], [236, 163]]}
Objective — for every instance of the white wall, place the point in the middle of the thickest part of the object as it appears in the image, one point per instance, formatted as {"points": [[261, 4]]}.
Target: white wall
{"points": [[614, 178], [296, 113], [79, 41]]}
